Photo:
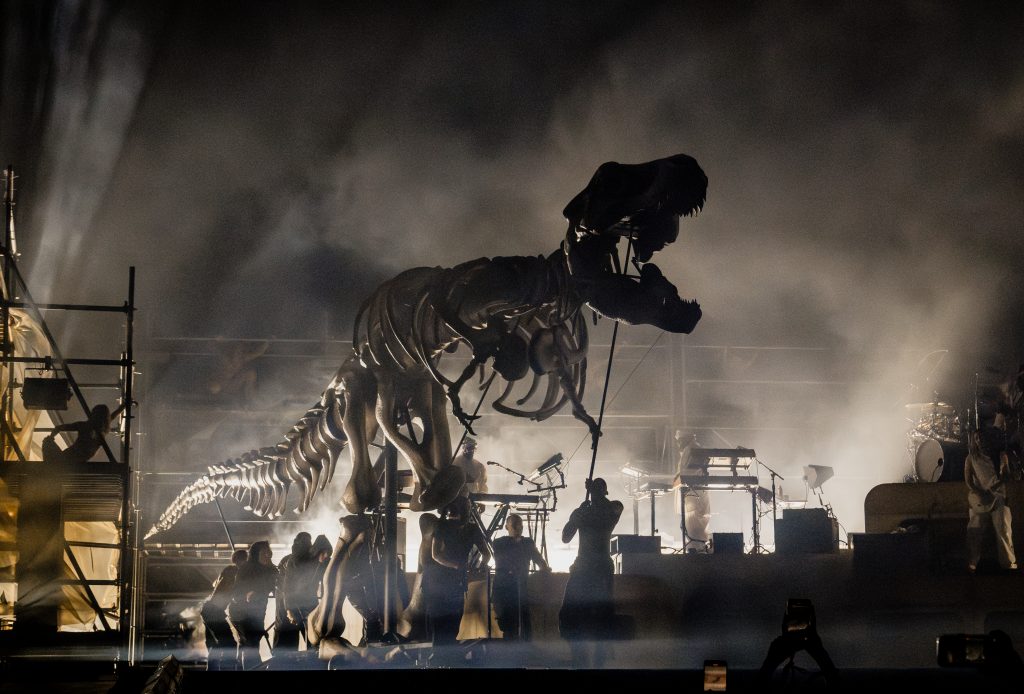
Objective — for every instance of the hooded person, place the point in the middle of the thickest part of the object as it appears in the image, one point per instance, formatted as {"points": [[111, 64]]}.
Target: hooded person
{"points": [[220, 644], [296, 593], [255, 581]]}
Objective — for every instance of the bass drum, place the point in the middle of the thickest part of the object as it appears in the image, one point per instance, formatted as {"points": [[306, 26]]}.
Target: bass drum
{"points": [[939, 461]]}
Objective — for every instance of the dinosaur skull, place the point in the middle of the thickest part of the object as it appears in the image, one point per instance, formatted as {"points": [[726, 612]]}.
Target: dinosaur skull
{"points": [[642, 202]]}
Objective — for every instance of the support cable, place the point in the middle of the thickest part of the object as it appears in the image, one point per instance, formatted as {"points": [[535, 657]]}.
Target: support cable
{"points": [[607, 379]]}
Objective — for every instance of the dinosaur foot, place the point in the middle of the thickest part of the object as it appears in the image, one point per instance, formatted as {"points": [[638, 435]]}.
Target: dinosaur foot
{"points": [[357, 498], [332, 646], [466, 420], [443, 489]]}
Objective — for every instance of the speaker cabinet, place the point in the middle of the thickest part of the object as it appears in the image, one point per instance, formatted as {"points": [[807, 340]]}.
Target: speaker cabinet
{"points": [[625, 544], [806, 531], [46, 393], [727, 543]]}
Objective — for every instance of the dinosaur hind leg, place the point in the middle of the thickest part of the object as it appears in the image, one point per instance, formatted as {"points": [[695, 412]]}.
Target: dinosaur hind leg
{"points": [[439, 481], [448, 479], [360, 390]]}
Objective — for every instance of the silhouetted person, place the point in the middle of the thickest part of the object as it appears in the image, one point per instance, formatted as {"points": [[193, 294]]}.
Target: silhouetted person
{"points": [[321, 551], [588, 612], [512, 557], [986, 497], [296, 593], [476, 472], [445, 570], [90, 435], [256, 580], [220, 644], [799, 633]]}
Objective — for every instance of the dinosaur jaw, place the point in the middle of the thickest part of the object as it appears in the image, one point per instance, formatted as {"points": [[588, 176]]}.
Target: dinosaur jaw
{"points": [[641, 202], [648, 299]]}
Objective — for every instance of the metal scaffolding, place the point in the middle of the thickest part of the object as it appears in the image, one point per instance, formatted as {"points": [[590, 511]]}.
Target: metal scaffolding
{"points": [[51, 494]]}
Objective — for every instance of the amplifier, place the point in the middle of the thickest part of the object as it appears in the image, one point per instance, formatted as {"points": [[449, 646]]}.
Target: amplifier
{"points": [[45, 393], [806, 531], [727, 543], [625, 544]]}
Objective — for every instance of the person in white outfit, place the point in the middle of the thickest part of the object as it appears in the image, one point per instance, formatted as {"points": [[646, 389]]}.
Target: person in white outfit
{"points": [[694, 504], [986, 497]]}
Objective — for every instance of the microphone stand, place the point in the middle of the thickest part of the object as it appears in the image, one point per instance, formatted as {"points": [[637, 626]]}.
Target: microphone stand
{"points": [[522, 478], [774, 475], [977, 414], [551, 486]]}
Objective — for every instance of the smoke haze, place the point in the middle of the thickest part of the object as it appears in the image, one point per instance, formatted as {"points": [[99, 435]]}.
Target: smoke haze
{"points": [[265, 165]]}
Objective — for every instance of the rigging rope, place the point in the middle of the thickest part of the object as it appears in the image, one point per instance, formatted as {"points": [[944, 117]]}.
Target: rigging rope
{"points": [[607, 379], [465, 428], [619, 390]]}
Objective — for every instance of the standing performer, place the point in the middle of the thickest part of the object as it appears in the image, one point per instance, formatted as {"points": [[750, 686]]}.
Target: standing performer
{"points": [[986, 496], [444, 574], [694, 504], [219, 643], [296, 593], [1014, 428], [512, 557], [588, 612], [256, 580], [476, 472]]}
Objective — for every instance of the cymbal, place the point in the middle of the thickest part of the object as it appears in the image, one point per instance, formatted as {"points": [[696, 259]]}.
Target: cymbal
{"points": [[930, 407]]}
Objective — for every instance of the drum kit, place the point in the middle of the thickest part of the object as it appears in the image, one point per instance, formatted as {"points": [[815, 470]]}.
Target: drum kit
{"points": [[937, 436], [935, 442]]}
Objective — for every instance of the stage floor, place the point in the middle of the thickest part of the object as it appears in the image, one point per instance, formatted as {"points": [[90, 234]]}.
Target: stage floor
{"points": [[880, 607]]}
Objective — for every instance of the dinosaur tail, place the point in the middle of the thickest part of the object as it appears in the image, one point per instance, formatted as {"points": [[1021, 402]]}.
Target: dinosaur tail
{"points": [[260, 479]]}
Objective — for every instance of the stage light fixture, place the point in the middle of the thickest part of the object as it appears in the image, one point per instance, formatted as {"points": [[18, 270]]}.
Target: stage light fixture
{"points": [[817, 475], [630, 470], [166, 679], [550, 465], [45, 393]]}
